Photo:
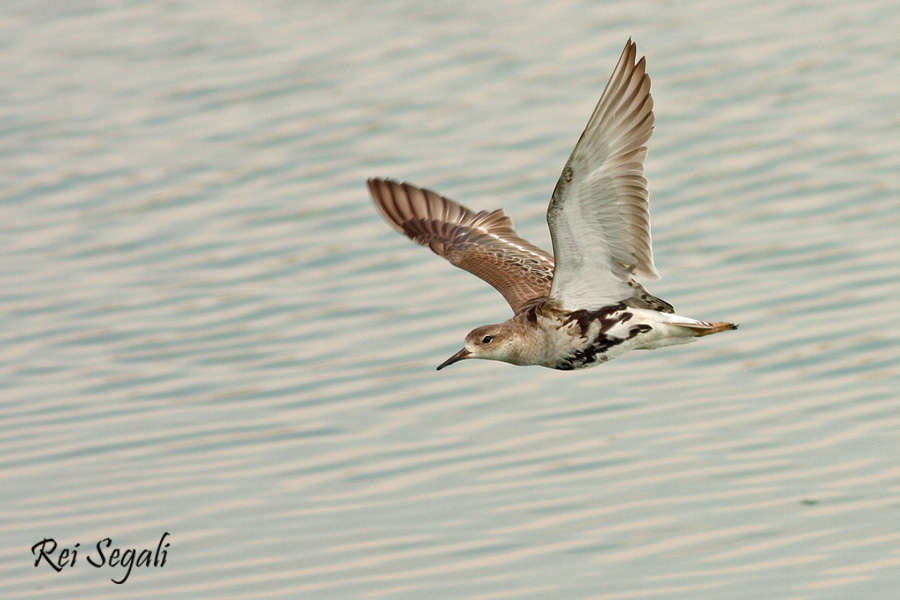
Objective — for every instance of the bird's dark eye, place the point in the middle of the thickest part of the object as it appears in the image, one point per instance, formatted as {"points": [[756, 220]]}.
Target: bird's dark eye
{"points": [[487, 339]]}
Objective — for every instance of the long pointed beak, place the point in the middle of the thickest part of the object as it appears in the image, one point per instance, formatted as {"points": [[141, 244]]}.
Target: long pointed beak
{"points": [[462, 354]]}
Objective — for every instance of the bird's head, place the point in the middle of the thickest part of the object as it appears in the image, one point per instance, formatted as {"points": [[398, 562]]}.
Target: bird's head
{"points": [[492, 342]]}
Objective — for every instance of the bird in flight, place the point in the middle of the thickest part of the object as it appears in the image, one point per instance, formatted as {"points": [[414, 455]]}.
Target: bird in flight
{"points": [[583, 305]]}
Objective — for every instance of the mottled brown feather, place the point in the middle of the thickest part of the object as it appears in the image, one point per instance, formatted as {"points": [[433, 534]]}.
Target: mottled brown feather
{"points": [[483, 243]]}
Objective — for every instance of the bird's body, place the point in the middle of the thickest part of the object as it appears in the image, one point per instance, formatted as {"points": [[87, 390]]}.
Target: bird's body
{"points": [[582, 306], [544, 335]]}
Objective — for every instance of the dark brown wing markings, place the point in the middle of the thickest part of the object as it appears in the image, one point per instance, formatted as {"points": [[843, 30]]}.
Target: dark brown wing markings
{"points": [[483, 243]]}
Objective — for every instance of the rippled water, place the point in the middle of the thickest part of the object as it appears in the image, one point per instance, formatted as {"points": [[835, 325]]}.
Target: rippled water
{"points": [[206, 329]]}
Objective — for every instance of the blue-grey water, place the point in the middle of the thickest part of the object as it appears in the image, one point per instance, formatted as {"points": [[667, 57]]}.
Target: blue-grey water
{"points": [[207, 330]]}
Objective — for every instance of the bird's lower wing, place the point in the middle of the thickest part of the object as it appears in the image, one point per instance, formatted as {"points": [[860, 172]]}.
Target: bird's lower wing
{"points": [[483, 243]]}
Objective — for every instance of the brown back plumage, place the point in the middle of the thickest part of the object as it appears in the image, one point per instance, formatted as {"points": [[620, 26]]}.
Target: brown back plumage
{"points": [[483, 243]]}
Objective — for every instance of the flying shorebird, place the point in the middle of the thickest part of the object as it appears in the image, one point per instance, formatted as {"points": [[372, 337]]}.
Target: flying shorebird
{"points": [[581, 306]]}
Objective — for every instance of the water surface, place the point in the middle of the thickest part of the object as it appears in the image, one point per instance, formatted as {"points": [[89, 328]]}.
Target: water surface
{"points": [[206, 329]]}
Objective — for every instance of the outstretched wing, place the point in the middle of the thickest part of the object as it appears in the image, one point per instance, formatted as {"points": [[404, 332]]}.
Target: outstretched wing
{"points": [[599, 216], [484, 244]]}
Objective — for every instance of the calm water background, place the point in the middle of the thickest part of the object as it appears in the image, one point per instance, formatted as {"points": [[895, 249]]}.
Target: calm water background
{"points": [[206, 329]]}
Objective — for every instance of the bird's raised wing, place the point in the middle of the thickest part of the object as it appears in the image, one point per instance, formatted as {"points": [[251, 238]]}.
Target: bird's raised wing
{"points": [[599, 216], [483, 243]]}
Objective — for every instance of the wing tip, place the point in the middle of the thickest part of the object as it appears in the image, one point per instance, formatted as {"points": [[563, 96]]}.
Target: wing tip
{"points": [[384, 197]]}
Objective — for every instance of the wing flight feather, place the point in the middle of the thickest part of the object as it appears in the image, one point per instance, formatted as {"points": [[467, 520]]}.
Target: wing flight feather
{"points": [[599, 215], [483, 243]]}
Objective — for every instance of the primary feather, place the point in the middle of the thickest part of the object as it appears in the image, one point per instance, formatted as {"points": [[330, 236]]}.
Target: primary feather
{"points": [[483, 243], [599, 215]]}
